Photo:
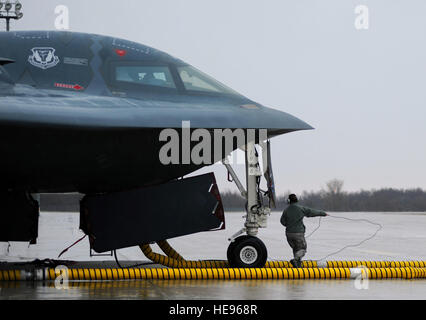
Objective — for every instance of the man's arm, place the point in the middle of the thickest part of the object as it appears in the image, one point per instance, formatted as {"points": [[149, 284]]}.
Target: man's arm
{"points": [[308, 212], [283, 219]]}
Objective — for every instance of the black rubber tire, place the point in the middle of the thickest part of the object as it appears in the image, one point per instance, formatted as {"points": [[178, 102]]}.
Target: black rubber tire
{"points": [[242, 242], [229, 252]]}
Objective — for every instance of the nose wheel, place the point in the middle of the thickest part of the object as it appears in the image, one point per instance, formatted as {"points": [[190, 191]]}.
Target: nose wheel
{"points": [[247, 252]]}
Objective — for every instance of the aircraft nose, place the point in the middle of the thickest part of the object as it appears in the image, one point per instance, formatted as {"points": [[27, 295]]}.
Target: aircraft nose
{"points": [[276, 121]]}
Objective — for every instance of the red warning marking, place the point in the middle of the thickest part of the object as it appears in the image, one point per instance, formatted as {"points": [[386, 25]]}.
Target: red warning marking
{"points": [[68, 86], [120, 52]]}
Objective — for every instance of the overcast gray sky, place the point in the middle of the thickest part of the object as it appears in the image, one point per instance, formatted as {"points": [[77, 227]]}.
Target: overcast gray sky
{"points": [[362, 90]]}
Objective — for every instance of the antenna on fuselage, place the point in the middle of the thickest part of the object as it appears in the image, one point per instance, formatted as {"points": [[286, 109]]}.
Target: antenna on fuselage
{"points": [[7, 13]]}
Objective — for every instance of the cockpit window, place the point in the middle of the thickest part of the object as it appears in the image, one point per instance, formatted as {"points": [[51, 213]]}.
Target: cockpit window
{"points": [[159, 76], [195, 80]]}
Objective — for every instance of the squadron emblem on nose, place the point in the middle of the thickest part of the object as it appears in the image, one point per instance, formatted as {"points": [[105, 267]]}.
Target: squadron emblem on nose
{"points": [[43, 58]]}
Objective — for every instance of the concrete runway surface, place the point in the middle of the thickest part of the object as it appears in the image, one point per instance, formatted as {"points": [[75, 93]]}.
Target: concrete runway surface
{"points": [[402, 237]]}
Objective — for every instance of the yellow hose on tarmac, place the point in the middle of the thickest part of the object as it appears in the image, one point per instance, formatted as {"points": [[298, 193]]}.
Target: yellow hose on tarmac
{"points": [[169, 251], [175, 263], [181, 269], [376, 264], [49, 274], [172, 262]]}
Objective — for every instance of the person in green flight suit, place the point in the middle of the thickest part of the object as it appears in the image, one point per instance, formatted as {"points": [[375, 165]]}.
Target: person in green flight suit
{"points": [[292, 219]]}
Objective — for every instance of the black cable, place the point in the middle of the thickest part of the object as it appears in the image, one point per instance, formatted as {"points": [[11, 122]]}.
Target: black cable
{"points": [[116, 260], [351, 245], [319, 225]]}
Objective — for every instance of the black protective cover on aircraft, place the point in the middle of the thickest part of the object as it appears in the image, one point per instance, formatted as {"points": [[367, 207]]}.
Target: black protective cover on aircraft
{"points": [[124, 219]]}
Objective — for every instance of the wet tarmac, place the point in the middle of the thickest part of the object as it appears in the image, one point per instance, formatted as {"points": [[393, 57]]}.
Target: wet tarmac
{"points": [[401, 237], [218, 290]]}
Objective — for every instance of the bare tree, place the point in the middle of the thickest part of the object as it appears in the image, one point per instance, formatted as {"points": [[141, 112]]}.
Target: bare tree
{"points": [[335, 186], [334, 195]]}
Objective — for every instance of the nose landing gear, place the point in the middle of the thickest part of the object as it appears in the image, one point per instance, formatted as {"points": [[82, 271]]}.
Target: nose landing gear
{"points": [[248, 251]]}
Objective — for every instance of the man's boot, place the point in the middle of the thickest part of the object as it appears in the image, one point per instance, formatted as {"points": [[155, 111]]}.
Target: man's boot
{"points": [[296, 263]]}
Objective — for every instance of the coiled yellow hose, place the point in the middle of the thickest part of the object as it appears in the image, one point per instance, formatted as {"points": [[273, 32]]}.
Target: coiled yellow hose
{"points": [[171, 262], [181, 269], [169, 251], [175, 263]]}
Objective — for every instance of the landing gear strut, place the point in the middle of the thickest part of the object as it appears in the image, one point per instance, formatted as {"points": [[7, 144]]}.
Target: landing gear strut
{"points": [[248, 251]]}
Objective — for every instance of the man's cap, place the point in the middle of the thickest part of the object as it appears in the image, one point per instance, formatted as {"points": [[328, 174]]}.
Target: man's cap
{"points": [[292, 198]]}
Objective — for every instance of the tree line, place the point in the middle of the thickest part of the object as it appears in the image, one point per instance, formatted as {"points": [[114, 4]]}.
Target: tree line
{"points": [[333, 198]]}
